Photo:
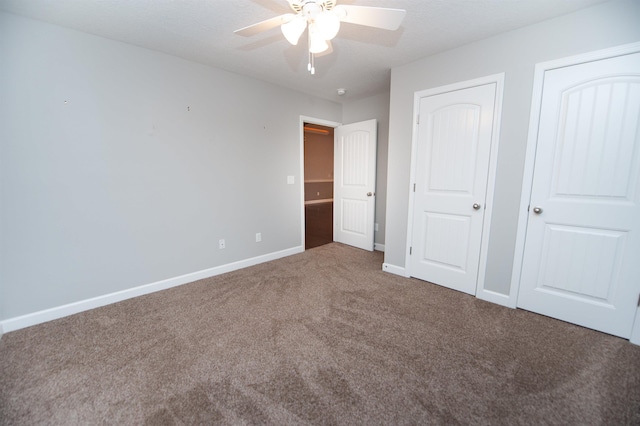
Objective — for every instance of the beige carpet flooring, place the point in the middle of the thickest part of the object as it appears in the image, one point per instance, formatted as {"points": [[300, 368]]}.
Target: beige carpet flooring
{"points": [[323, 337]]}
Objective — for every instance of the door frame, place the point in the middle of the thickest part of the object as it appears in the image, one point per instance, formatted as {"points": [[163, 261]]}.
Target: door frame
{"points": [[319, 122], [498, 79], [529, 164]]}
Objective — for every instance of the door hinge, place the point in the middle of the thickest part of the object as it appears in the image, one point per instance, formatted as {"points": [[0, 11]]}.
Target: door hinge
{"points": [[528, 207], [639, 300], [414, 187], [418, 119], [410, 250]]}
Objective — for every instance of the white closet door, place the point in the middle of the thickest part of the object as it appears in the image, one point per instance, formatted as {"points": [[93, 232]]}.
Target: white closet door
{"points": [[452, 168], [581, 258]]}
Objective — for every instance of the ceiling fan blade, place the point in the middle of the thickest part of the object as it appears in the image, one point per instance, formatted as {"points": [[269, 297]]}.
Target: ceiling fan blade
{"points": [[265, 25], [379, 17]]}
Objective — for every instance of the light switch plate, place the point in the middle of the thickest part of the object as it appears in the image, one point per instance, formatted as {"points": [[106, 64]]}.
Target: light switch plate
{"points": [[290, 180]]}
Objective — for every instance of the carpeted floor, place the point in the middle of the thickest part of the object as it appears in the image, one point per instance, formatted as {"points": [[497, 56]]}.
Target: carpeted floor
{"points": [[323, 337]]}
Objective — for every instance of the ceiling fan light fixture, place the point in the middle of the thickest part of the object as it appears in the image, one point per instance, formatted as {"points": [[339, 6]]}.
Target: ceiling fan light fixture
{"points": [[327, 24], [322, 20], [317, 44], [340, 12], [293, 29]]}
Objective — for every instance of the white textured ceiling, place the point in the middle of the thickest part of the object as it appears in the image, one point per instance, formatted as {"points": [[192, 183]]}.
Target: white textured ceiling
{"points": [[202, 31]]}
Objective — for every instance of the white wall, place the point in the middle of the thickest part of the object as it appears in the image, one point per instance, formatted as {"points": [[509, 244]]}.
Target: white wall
{"points": [[121, 166], [377, 107], [515, 53]]}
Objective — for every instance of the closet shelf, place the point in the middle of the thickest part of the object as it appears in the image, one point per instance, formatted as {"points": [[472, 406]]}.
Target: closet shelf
{"points": [[324, 200]]}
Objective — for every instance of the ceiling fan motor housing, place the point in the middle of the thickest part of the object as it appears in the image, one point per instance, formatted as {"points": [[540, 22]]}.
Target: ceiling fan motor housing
{"points": [[309, 7]]}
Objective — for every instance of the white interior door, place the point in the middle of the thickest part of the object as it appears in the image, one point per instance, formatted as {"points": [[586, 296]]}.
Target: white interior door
{"points": [[355, 184], [581, 258], [453, 149]]}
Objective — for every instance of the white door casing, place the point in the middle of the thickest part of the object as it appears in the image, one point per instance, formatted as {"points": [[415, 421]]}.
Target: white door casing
{"points": [[354, 184], [578, 249], [452, 155]]}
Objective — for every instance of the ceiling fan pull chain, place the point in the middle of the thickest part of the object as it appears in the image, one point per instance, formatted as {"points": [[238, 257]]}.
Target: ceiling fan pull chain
{"points": [[309, 50], [311, 67]]}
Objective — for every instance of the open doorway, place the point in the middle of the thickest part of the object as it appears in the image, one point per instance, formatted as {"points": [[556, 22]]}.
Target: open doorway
{"points": [[318, 184]]}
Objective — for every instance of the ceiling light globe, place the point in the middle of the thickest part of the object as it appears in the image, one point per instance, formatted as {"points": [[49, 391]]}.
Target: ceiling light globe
{"points": [[293, 29], [327, 24], [316, 43]]}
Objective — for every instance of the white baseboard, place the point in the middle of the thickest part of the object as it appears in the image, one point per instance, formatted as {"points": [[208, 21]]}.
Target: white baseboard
{"points": [[378, 247], [635, 331], [40, 317], [396, 270], [498, 298]]}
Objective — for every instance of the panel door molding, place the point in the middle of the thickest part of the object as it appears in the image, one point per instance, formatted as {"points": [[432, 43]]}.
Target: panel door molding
{"points": [[355, 184], [579, 224], [452, 179]]}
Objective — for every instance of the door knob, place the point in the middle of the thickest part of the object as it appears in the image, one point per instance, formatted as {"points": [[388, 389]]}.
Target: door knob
{"points": [[369, 194], [476, 206], [537, 210]]}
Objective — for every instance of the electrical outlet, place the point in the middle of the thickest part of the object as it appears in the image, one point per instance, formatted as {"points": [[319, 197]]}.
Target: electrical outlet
{"points": [[258, 237], [221, 244]]}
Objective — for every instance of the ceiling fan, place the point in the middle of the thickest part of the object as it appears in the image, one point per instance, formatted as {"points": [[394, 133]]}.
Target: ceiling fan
{"points": [[322, 18]]}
